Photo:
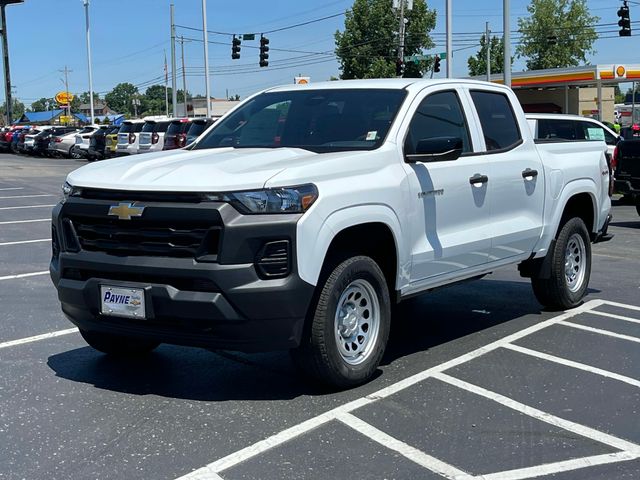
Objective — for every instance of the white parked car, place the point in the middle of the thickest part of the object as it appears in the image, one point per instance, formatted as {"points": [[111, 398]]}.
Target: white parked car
{"points": [[152, 135], [300, 217], [29, 139], [64, 144], [129, 137], [556, 127]]}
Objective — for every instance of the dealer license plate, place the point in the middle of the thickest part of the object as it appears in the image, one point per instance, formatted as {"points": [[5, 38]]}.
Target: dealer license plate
{"points": [[122, 301]]}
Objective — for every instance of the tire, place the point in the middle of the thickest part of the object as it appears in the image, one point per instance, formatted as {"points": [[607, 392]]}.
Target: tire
{"points": [[118, 345], [339, 350], [566, 288], [74, 153], [638, 205]]}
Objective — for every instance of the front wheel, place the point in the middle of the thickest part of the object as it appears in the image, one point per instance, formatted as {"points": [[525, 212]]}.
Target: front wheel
{"points": [[570, 268], [118, 345], [349, 325]]}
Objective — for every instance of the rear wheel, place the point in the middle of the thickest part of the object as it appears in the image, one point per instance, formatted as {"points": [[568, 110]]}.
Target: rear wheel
{"points": [[348, 326], [118, 345], [74, 153], [570, 268]]}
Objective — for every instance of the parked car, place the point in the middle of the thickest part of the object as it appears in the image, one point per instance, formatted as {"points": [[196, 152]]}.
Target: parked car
{"points": [[129, 137], [64, 145], [112, 140], [197, 128], [23, 146], [626, 169], [554, 127], [176, 136], [299, 228], [42, 139], [7, 138], [83, 138], [98, 143], [152, 135]]}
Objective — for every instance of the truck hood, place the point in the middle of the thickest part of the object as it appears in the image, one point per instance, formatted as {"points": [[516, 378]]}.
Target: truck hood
{"points": [[214, 170]]}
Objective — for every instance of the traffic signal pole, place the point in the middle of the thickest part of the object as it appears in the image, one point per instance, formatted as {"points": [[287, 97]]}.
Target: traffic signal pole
{"points": [[449, 14], [506, 19], [205, 38]]}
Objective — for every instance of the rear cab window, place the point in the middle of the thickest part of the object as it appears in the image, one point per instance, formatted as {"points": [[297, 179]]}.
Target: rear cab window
{"points": [[498, 121]]}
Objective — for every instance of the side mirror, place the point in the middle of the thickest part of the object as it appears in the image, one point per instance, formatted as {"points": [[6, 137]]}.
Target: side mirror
{"points": [[436, 149]]}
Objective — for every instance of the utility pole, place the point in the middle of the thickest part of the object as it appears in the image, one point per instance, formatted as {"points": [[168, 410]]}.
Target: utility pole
{"points": [[166, 84], [184, 76], [506, 20], [66, 72], [487, 41], [5, 57], [205, 38], [401, 33], [449, 40], [86, 10], [174, 93]]}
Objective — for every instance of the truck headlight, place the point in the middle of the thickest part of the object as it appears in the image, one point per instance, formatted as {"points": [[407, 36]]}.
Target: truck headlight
{"points": [[69, 190], [271, 200]]}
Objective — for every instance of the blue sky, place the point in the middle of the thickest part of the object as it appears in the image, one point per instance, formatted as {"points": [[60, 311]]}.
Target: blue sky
{"points": [[129, 39]]}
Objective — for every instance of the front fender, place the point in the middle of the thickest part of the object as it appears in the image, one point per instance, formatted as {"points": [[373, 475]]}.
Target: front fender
{"points": [[315, 234]]}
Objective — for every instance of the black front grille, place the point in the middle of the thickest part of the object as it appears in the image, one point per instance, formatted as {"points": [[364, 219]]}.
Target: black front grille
{"points": [[146, 238], [132, 196]]}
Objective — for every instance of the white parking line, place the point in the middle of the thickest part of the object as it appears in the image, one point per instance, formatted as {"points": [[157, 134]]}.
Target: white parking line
{"points": [[11, 188], [36, 338], [25, 241], [406, 450], [587, 432], [26, 221], [557, 467], [572, 364], [212, 470], [600, 331], [24, 275], [622, 305], [27, 196], [27, 206], [617, 317]]}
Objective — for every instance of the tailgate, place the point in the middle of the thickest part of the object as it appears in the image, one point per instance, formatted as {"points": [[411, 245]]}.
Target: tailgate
{"points": [[629, 160]]}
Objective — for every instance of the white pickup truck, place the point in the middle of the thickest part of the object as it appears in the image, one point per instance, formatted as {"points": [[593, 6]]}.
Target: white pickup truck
{"points": [[300, 217]]}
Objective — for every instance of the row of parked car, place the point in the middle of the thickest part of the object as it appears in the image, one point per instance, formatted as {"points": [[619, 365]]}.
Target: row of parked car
{"points": [[97, 142]]}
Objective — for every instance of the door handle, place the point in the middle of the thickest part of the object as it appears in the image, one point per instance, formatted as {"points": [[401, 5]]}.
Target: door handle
{"points": [[529, 174], [478, 180]]}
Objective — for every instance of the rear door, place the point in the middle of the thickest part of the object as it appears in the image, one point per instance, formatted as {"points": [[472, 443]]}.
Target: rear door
{"points": [[517, 180], [450, 229]]}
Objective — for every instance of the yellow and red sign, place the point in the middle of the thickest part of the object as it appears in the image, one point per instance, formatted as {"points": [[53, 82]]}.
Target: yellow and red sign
{"points": [[64, 98]]}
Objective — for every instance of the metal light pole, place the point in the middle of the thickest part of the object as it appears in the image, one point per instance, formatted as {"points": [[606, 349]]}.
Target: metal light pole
{"points": [[449, 13], [5, 50], [205, 38], [506, 19], [487, 42], [86, 12], [174, 86]]}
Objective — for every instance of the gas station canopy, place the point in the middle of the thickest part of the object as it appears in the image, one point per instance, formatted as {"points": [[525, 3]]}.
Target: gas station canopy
{"points": [[575, 76]]}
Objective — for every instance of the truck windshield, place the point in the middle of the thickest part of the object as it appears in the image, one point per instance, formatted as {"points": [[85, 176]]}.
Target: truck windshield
{"points": [[317, 120]]}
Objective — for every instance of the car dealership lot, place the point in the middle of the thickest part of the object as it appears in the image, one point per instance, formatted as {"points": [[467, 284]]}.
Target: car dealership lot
{"points": [[477, 381]]}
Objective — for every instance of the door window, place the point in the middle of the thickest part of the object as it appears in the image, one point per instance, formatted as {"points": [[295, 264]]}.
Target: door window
{"points": [[439, 115], [499, 124]]}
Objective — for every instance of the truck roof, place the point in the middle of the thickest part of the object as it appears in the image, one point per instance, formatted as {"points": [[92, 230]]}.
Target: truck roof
{"points": [[388, 83]]}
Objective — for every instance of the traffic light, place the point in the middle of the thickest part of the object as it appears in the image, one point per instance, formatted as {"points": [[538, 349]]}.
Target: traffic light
{"points": [[436, 64], [235, 48], [625, 21], [264, 48], [399, 68]]}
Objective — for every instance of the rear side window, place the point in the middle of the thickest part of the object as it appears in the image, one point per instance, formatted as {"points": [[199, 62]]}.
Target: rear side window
{"points": [[439, 115], [499, 125], [127, 128], [149, 127], [162, 127]]}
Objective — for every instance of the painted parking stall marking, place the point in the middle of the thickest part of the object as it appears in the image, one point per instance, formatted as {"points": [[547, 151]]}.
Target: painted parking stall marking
{"points": [[347, 413], [26, 206]]}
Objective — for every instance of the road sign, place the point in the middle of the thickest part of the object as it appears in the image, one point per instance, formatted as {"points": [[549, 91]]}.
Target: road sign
{"points": [[249, 36], [417, 58], [64, 119], [301, 80]]}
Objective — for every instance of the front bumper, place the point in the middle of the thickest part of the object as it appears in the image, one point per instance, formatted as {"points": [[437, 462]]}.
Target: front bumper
{"points": [[224, 304]]}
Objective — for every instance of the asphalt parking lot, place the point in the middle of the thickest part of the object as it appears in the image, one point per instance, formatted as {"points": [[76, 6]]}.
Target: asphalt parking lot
{"points": [[478, 382]]}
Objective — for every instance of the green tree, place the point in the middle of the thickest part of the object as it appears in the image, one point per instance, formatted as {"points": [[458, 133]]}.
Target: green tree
{"points": [[368, 46], [556, 34], [478, 64], [153, 100], [41, 105], [16, 112], [84, 97], [119, 99]]}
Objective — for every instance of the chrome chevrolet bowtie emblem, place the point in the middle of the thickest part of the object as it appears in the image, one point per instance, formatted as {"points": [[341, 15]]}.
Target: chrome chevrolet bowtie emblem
{"points": [[124, 211]]}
